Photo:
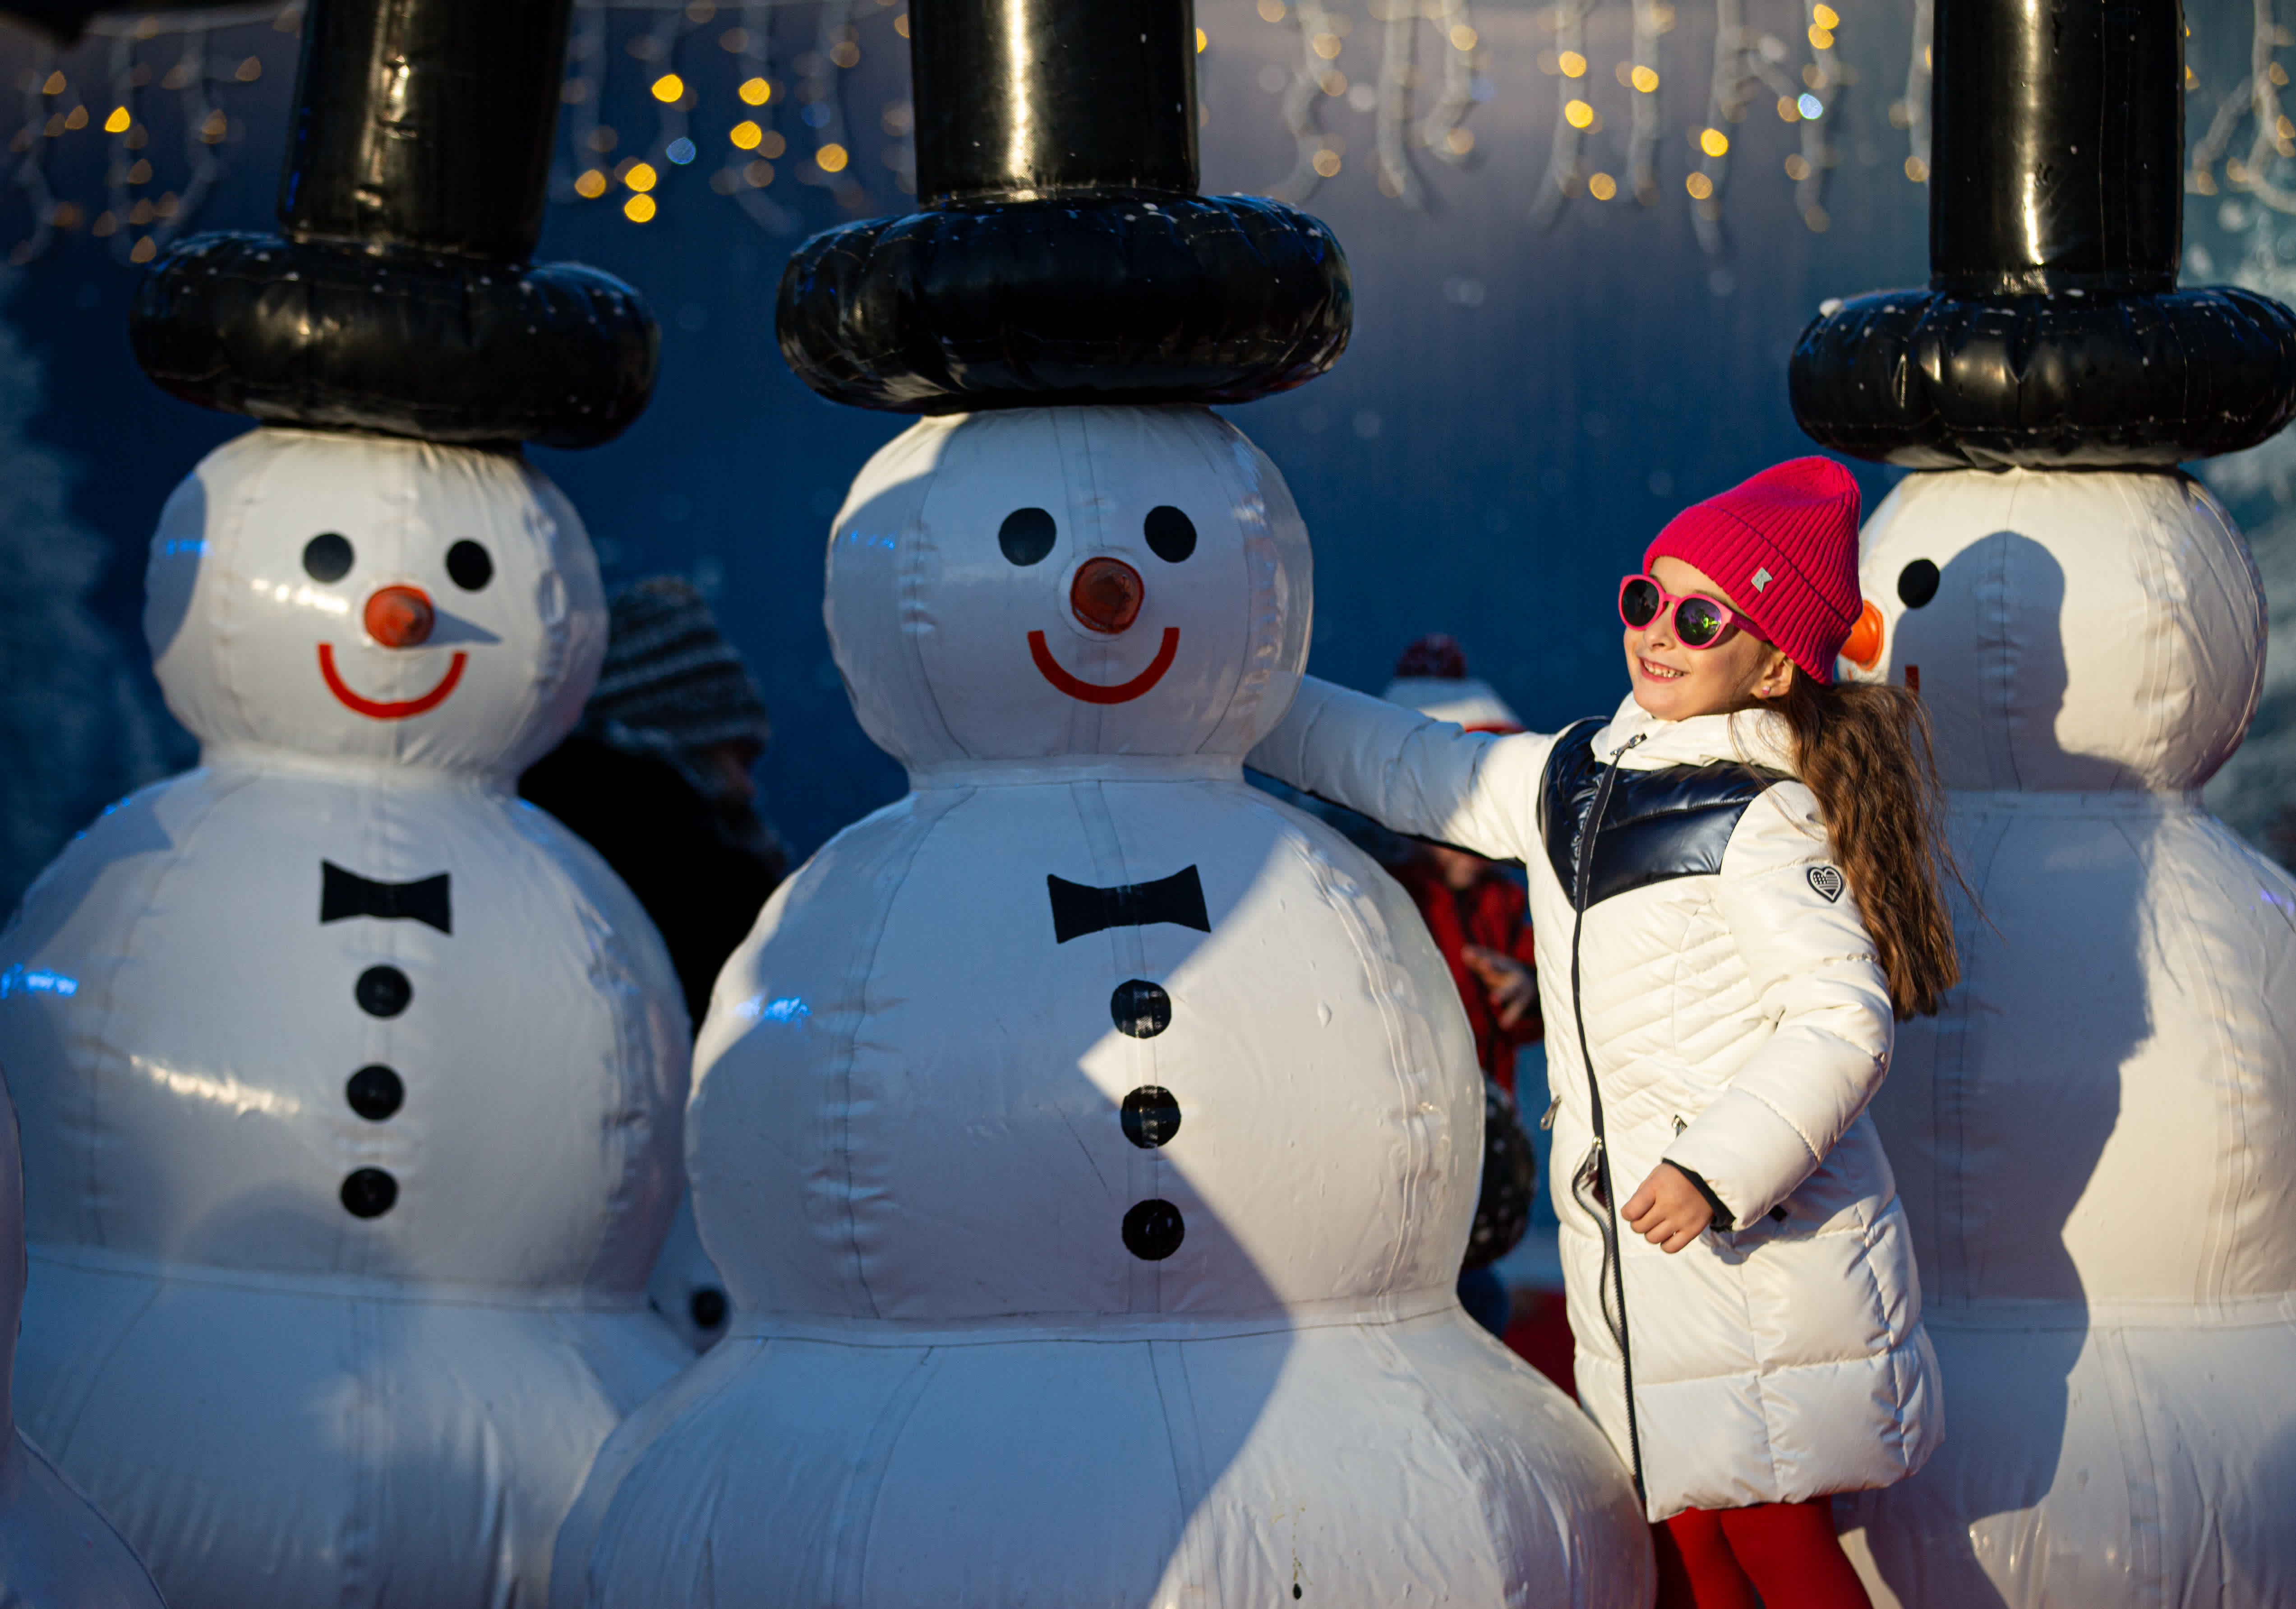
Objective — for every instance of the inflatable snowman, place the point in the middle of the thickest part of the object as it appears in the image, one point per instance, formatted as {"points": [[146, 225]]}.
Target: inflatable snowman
{"points": [[56, 1552], [350, 1084], [1088, 1141], [2092, 1137]]}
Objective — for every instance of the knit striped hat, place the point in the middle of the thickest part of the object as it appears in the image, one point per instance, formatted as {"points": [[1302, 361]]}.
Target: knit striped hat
{"points": [[1784, 546], [671, 683]]}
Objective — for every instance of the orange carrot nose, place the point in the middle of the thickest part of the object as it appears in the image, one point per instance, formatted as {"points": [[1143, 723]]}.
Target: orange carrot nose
{"points": [[1863, 647], [1107, 594], [400, 617]]}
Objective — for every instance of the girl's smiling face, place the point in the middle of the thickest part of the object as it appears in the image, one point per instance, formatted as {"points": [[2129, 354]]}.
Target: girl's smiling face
{"points": [[1674, 683]]}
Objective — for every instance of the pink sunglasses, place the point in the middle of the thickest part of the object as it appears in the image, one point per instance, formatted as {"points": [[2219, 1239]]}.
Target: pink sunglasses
{"points": [[1699, 621]]}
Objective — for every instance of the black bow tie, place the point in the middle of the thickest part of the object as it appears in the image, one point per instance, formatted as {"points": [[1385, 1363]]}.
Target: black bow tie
{"points": [[1078, 910], [344, 894]]}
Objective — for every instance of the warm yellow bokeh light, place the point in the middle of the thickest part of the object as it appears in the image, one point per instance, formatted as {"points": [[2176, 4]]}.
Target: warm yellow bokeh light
{"points": [[119, 121], [639, 208], [641, 177], [756, 92], [1577, 113], [1327, 164], [1645, 78], [1713, 142], [1826, 16], [1573, 64], [832, 159], [1821, 38], [1699, 185], [1203, 41], [1602, 187], [1460, 141], [1464, 37], [590, 186], [746, 134], [668, 88]]}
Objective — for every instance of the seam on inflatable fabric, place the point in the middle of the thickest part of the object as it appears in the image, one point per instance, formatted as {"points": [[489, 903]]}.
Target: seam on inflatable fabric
{"points": [[1112, 1329], [2140, 1468], [2229, 1185], [1213, 469], [166, 865], [1951, 1060], [909, 586], [1128, 952], [336, 1287], [851, 1040], [1345, 901], [257, 484], [1485, 1483], [1379, 962], [1192, 1487], [847, 1555]]}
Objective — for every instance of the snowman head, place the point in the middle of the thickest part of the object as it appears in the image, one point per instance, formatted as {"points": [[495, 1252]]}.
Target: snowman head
{"points": [[1063, 584], [2067, 631], [372, 598]]}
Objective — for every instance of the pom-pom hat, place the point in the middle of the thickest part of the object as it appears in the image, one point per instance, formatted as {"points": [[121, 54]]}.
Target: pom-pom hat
{"points": [[1784, 546]]}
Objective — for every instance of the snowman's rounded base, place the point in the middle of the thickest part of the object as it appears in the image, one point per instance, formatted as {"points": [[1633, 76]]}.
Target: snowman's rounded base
{"points": [[306, 1444], [1355, 1467], [2104, 1459]]}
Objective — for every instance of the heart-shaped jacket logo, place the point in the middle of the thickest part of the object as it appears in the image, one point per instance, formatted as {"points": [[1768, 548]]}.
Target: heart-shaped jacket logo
{"points": [[1827, 881]]}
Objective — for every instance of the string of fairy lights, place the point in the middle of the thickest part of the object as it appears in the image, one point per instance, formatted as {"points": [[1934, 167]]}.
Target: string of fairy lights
{"points": [[753, 95]]}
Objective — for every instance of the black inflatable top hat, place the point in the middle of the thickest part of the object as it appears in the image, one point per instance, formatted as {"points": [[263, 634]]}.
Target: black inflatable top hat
{"points": [[1063, 255], [401, 299], [2053, 334]]}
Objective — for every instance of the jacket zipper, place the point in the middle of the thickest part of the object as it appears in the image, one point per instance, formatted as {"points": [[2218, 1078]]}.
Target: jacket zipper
{"points": [[1614, 1271]]}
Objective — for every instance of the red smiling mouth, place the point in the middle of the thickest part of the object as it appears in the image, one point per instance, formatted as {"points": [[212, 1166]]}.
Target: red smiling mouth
{"points": [[1092, 693], [381, 709]]}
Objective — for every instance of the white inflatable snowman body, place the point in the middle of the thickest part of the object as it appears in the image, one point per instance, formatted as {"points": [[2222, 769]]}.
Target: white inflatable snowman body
{"points": [[351, 1085], [56, 1552], [2094, 1138], [1089, 1141]]}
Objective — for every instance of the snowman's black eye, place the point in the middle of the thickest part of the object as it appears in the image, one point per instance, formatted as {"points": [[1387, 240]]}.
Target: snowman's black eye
{"points": [[327, 556], [1917, 583], [1171, 534], [468, 565], [1027, 535]]}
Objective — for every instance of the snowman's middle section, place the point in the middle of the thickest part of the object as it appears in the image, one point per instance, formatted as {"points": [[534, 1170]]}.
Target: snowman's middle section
{"points": [[1084, 1052]]}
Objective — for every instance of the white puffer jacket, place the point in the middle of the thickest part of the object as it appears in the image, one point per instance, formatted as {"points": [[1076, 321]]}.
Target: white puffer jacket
{"points": [[1738, 1023]]}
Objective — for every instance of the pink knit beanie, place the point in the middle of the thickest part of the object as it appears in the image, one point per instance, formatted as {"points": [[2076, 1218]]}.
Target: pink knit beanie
{"points": [[1784, 544]]}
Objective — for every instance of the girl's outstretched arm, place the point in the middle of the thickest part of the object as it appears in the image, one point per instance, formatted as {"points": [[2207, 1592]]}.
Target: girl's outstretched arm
{"points": [[1811, 964], [1475, 790]]}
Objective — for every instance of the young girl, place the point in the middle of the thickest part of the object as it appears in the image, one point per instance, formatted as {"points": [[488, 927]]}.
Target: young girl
{"points": [[1735, 898]]}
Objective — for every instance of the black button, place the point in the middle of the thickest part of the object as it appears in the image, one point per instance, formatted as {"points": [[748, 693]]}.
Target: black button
{"points": [[1141, 1008], [369, 1193], [1152, 1230], [1151, 1116], [708, 1307], [383, 991], [375, 1093]]}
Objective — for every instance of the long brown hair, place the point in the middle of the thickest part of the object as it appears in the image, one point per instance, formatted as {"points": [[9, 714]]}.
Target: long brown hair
{"points": [[1865, 751]]}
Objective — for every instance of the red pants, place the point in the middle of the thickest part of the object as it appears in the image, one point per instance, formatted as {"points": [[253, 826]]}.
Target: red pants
{"points": [[1720, 1558]]}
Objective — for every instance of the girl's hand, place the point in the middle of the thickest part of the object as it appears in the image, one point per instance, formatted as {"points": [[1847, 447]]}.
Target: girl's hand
{"points": [[1667, 1210], [1513, 987]]}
